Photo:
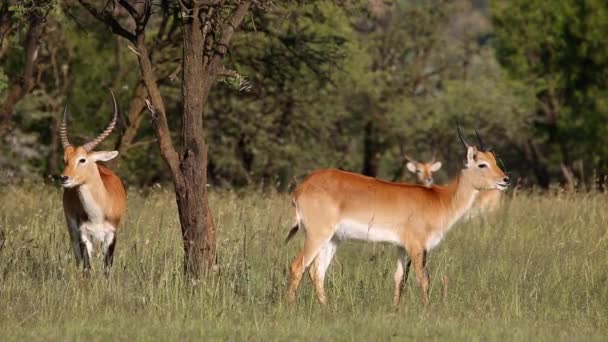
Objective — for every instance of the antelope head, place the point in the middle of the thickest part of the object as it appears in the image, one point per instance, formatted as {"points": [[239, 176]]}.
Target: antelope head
{"points": [[481, 168], [80, 162], [424, 171]]}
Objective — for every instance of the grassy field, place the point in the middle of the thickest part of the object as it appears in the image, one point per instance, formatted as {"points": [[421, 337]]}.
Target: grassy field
{"points": [[538, 270]]}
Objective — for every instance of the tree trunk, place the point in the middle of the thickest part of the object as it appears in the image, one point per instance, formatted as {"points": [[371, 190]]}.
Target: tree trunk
{"points": [[188, 169], [399, 172], [570, 180], [372, 153], [195, 217], [25, 81], [51, 166], [538, 166]]}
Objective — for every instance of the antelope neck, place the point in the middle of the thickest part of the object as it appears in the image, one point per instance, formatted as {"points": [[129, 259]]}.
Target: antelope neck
{"points": [[462, 194], [92, 194]]}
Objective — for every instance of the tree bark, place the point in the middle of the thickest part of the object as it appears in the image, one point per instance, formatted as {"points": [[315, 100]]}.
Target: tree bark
{"points": [[372, 151], [197, 229], [538, 166], [51, 166], [7, 26], [570, 180], [188, 169]]}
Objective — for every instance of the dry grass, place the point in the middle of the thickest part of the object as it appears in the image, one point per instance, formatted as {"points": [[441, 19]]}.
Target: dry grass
{"points": [[537, 270]]}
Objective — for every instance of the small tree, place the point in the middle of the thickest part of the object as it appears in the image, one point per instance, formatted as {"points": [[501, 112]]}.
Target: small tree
{"points": [[207, 28], [15, 16]]}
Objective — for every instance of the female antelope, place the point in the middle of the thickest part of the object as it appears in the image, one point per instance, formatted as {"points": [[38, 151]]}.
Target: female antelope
{"points": [[333, 205], [423, 171], [94, 198]]}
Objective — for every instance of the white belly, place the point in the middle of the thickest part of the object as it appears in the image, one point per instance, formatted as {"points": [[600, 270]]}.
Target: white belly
{"points": [[96, 232], [348, 229], [433, 241]]}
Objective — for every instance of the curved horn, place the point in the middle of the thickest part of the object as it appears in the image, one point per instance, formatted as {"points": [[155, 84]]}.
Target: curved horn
{"points": [[63, 130], [91, 145], [464, 142], [481, 147]]}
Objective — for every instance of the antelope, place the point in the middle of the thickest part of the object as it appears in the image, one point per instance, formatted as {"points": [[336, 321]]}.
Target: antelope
{"points": [[423, 171], [94, 197], [332, 205]]}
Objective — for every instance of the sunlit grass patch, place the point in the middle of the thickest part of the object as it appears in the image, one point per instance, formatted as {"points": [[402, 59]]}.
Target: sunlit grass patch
{"points": [[537, 269]]}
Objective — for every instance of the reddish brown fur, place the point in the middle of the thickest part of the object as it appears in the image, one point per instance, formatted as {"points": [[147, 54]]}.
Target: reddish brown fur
{"points": [[107, 188], [116, 190], [413, 217], [113, 210], [94, 202]]}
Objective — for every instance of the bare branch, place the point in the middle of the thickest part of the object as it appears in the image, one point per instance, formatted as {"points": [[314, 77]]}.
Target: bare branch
{"points": [[231, 26], [107, 18], [227, 32], [157, 108], [132, 11], [141, 25], [173, 76], [142, 143]]}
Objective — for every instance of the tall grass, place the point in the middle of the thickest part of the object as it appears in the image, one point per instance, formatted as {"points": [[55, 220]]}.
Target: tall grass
{"points": [[537, 269]]}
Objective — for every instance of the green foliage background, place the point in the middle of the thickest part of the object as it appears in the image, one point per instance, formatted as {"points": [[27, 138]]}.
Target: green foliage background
{"points": [[330, 84]]}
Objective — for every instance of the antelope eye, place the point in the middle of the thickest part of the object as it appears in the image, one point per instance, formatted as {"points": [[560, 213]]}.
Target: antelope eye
{"points": [[482, 166], [82, 161]]}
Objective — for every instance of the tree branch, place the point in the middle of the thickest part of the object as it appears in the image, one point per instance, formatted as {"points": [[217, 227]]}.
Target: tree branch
{"points": [[228, 72], [26, 80], [232, 25], [132, 11], [157, 108], [228, 30], [107, 18]]}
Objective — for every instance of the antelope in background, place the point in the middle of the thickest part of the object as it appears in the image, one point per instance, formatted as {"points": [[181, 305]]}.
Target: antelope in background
{"points": [[94, 198], [423, 171], [333, 205]]}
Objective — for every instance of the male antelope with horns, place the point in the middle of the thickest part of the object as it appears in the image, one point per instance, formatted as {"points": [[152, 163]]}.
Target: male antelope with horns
{"points": [[334, 205], [487, 201], [94, 198]]}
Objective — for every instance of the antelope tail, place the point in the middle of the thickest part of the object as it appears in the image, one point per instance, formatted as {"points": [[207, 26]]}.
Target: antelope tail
{"points": [[293, 231], [296, 226]]}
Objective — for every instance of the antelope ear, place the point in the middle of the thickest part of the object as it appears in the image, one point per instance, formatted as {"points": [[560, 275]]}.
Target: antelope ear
{"points": [[411, 166], [435, 167], [471, 154], [103, 155]]}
